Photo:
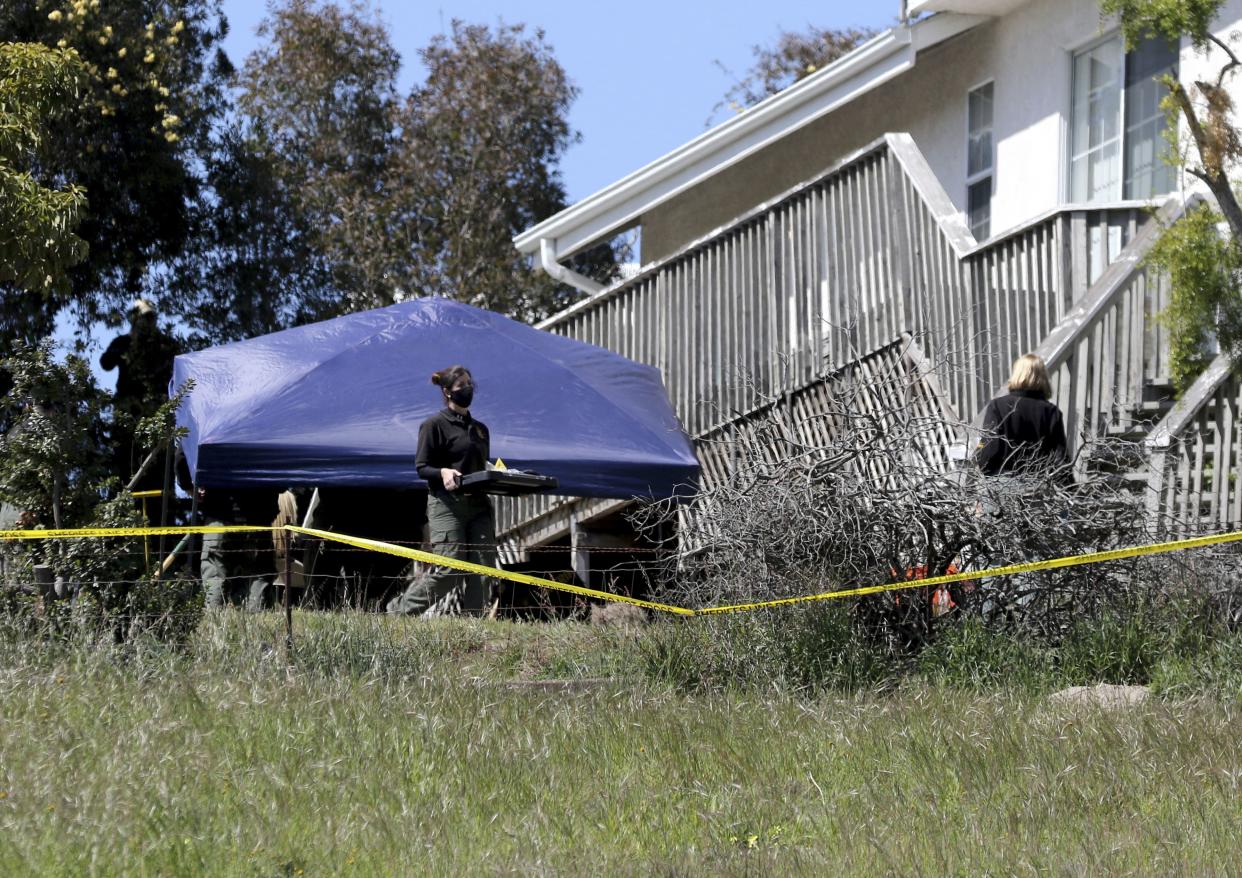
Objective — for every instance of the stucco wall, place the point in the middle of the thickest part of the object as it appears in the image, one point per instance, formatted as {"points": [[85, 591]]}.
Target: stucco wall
{"points": [[1027, 54]]}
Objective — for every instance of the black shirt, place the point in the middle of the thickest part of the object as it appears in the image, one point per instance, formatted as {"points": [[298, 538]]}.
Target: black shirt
{"points": [[448, 439], [1022, 431], [145, 365]]}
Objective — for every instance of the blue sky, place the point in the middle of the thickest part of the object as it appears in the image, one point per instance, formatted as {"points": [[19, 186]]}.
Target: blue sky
{"points": [[645, 68]]}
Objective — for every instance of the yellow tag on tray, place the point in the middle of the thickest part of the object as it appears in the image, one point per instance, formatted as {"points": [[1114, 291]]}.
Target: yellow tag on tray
{"points": [[499, 465]]}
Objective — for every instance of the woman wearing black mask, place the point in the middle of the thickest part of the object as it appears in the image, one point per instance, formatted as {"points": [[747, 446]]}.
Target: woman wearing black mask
{"points": [[452, 444]]}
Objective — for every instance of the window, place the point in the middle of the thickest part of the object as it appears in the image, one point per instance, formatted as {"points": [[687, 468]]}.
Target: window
{"points": [[979, 161], [1117, 127]]}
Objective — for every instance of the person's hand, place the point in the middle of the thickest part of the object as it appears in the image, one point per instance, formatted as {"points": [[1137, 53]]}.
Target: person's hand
{"points": [[451, 478]]}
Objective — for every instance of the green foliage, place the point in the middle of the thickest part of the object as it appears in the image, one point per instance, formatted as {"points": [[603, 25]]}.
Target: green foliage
{"points": [[482, 137], [373, 198], [1120, 647], [813, 648], [321, 109], [795, 56], [53, 463], [37, 241], [966, 654], [262, 766], [160, 427], [1170, 19], [1204, 270], [256, 264], [149, 94]]}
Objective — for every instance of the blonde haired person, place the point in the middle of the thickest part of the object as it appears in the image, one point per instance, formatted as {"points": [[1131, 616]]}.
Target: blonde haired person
{"points": [[1023, 431]]}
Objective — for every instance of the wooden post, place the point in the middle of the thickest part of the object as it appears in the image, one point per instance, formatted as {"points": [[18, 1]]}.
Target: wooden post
{"points": [[288, 588]]}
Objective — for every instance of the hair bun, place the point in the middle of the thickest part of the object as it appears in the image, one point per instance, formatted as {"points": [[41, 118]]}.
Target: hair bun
{"points": [[436, 378]]}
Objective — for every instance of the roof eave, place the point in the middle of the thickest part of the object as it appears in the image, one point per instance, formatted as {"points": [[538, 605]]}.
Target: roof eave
{"points": [[622, 203]]}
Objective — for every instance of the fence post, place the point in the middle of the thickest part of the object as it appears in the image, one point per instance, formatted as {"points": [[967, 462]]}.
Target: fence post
{"points": [[288, 588]]}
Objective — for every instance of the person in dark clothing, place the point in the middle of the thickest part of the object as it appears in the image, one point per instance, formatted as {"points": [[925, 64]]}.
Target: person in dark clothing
{"points": [[143, 358], [452, 444], [1023, 432], [237, 569]]}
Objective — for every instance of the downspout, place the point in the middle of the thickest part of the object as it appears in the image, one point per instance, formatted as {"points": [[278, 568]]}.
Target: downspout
{"points": [[547, 260]]}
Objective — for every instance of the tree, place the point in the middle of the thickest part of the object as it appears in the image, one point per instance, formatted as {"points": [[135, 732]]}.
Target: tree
{"points": [[320, 105], [254, 264], [381, 199], [148, 98], [53, 459], [482, 139], [1205, 272], [796, 55], [38, 245]]}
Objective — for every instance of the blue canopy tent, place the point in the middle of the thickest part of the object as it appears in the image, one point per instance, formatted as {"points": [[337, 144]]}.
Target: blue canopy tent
{"points": [[340, 403]]}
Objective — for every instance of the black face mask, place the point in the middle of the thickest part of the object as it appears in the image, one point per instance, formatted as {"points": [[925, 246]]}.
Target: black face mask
{"points": [[462, 396]]}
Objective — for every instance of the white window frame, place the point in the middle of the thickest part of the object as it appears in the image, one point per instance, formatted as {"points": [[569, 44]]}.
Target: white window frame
{"points": [[979, 176], [1067, 175]]}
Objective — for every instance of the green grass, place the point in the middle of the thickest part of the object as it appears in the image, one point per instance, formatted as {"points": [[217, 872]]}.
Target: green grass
{"points": [[397, 747]]}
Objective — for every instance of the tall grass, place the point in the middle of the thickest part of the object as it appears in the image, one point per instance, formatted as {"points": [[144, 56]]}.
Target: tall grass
{"points": [[394, 747]]}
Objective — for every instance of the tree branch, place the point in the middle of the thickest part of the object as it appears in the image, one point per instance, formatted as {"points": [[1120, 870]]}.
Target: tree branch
{"points": [[1233, 59], [1212, 174]]}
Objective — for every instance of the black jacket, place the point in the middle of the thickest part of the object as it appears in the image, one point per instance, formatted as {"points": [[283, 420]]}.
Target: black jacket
{"points": [[1022, 431], [448, 439]]}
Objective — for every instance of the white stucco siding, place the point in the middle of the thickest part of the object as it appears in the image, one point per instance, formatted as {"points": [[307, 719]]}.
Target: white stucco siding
{"points": [[1027, 54], [1034, 53]]}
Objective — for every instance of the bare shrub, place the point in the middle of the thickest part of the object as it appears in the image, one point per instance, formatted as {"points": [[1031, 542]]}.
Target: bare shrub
{"points": [[847, 484]]}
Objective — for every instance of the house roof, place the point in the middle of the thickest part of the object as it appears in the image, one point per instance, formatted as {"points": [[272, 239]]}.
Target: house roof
{"points": [[969, 7], [621, 204]]}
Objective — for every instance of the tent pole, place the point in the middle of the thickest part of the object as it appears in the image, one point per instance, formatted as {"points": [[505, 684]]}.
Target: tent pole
{"points": [[168, 456]]}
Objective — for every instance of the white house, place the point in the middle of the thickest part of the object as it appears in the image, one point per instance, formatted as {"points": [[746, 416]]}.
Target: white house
{"points": [[1018, 106], [979, 178]]}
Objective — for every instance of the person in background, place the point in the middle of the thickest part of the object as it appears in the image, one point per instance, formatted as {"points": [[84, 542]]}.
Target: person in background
{"points": [[143, 358], [1023, 432], [452, 444], [237, 569]]}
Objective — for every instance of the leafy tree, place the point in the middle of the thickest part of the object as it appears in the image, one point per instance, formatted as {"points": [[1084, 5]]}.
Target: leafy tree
{"points": [[321, 108], [254, 264], [37, 240], [1205, 272], [53, 460], [148, 98], [795, 56], [1203, 268], [373, 198], [482, 138]]}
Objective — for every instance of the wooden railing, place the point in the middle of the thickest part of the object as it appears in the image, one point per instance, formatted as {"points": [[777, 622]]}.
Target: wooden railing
{"points": [[1030, 280], [1108, 348], [836, 269], [1193, 481], [891, 385]]}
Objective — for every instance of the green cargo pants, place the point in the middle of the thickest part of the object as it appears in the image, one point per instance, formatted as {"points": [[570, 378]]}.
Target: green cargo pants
{"points": [[463, 527], [229, 568]]}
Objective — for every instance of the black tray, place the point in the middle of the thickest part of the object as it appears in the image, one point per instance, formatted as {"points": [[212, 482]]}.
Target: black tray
{"points": [[507, 482]]}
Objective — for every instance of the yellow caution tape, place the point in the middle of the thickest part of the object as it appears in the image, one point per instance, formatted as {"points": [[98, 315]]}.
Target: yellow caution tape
{"points": [[88, 532], [470, 567], [526, 579], [1008, 570]]}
